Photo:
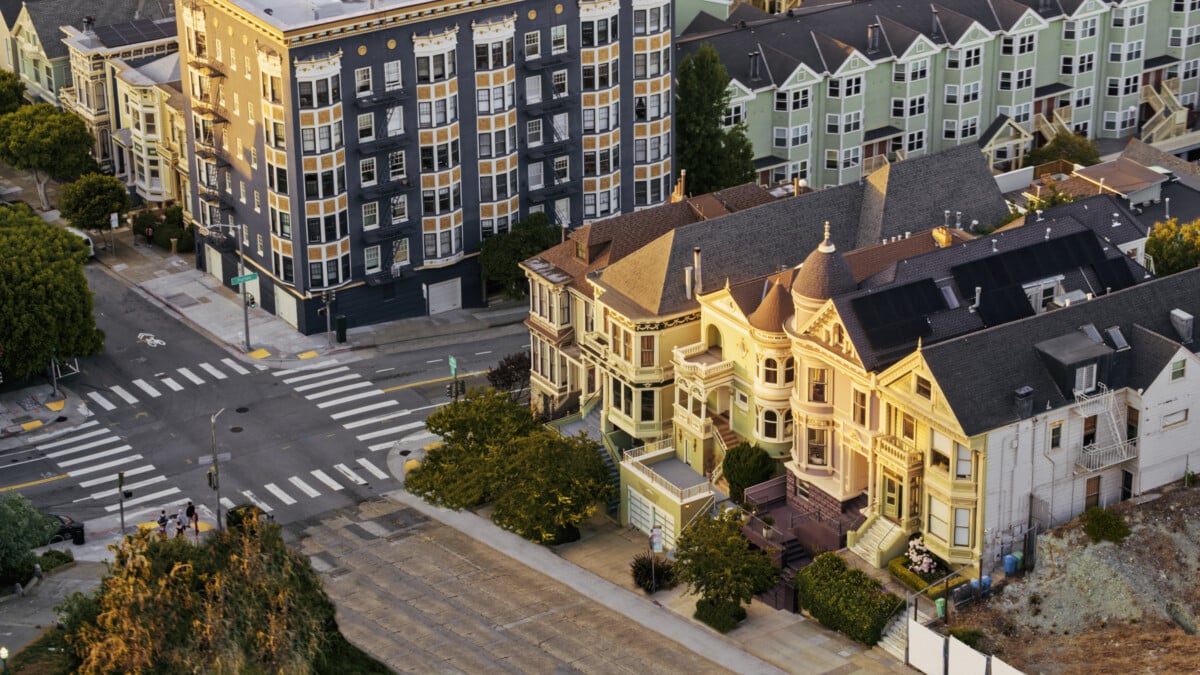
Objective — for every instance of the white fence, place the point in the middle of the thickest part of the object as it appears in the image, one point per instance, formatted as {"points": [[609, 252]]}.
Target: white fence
{"points": [[935, 654]]}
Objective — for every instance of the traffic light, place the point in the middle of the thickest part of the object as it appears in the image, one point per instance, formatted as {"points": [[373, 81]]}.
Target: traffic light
{"points": [[213, 480], [250, 301], [125, 494], [449, 390], [462, 386]]}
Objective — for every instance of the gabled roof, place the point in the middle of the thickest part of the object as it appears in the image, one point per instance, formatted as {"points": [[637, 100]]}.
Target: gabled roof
{"points": [[1122, 175], [981, 395], [1148, 155], [774, 309], [10, 10], [48, 15]]}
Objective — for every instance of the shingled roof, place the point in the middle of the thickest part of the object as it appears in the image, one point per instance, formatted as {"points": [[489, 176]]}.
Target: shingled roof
{"points": [[981, 395]]}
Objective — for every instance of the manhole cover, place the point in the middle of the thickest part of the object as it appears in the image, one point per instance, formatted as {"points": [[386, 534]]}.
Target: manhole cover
{"points": [[236, 430], [243, 409]]}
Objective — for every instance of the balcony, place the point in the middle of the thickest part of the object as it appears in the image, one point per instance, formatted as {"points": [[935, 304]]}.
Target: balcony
{"points": [[554, 103], [656, 463], [554, 144], [378, 234], [1095, 457], [380, 143], [385, 188], [549, 61], [385, 97], [554, 190], [698, 361], [385, 275], [899, 451]]}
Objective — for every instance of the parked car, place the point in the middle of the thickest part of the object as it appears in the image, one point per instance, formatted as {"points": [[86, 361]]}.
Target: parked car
{"points": [[69, 529], [237, 516]]}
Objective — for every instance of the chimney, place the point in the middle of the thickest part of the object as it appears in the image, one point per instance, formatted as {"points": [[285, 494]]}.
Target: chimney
{"points": [[754, 65], [978, 298], [942, 236], [689, 280], [89, 23], [872, 38], [696, 265], [933, 31], [1023, 399], [1182, 321]]}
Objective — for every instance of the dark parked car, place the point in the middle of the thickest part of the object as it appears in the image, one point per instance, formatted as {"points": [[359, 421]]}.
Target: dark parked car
{"points": [[237, 516], [69, 529]]}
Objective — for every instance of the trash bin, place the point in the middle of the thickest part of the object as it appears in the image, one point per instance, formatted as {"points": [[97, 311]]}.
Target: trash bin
{"points": [[985, 583], [940, 603], [340, 322], [1020, 556], [77, 537], [1010, 564]]}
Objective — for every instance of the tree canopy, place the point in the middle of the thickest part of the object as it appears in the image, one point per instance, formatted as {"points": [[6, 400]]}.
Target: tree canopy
{"points": [[714, 157], [1072, 147], [89, 201], [12, 92], [22, 527], [511, 375], [1174, 246], [716, 561], [47, 142], [500, 255], [45, 302], [746, 465]]}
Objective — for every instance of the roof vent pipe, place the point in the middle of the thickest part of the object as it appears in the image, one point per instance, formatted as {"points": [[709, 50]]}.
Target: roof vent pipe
{"points": [[699, 275], [978, 298], [1116, 219], [946, 222], [958, 219], [1039, 215], [994, 248], [1167, 201], [1047, 233], [689, 280], [974, 224]]}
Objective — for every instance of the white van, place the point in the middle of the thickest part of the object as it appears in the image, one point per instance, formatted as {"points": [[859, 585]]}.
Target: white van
{"points": [[87, 240]]}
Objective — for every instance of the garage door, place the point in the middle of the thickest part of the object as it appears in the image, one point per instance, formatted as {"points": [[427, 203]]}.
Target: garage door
{"points": [[445, 296], [212, 260], [644, 515], [285, 306]]}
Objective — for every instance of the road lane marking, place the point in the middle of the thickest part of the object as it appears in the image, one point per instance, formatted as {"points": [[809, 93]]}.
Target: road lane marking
{"points": [[349, 473], [347, 399], [391, 430], [175, 386], [106, 465], [142, 500], [103, 494], [258, 502], [112, 477], [107, 453], [434, 361], [304, 487], [325, 383], [311, 375], [31, 483], [190, 375], [436, 380], [279, 494], [213, 371], [363, 409], [483, 353], [101, 400], [145, 386], [324, 478], [372, 468], [376, 420], [235, 366], [85, 446], [384, 370], [338, 390], [129, 398], [73, 439]]}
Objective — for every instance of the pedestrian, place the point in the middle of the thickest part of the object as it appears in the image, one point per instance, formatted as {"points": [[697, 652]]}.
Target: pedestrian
{"points": [[162, 523], [192, 518], [149, 235], [180, 524]]}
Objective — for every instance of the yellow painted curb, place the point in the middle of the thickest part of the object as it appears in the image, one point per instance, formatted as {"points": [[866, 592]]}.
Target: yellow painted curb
{"points": [[153, 525], [307, 355], [259, 354], [34, 482], [29, 426], [56, 405], [436, 380]]}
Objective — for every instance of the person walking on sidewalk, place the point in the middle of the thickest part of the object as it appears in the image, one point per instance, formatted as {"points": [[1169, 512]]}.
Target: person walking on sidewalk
{"points": [[149, 235], [162, 523]]}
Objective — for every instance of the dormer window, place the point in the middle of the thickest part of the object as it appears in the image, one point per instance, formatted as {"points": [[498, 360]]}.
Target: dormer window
{"points": [[1085, 378], [581, 251]]}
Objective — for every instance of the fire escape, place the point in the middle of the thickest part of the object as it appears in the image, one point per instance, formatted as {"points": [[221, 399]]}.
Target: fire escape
{"points": [[1108, 444]]}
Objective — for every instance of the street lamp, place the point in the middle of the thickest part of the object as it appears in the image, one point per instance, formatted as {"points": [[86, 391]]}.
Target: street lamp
{"points": [[215, 472], [241, 234]]}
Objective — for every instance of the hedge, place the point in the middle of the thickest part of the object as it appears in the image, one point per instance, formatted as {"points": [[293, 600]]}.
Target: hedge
{"points": [[899, 569], [721, 616], [845, 599]]}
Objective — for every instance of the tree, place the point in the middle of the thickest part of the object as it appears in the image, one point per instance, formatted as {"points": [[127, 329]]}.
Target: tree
{"points": [[90, 201], [713, 156], [548, 484], [511, 375], [1049, 198], [715, 560], [500, 255], [22, 527], [47, 142], [1071, 147], [12, 92], [45, 302], [473, 430], [1174, 246], [746, 465]]}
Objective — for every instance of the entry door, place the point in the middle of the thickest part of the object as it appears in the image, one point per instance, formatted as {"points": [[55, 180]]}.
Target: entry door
{"points": [[1091, 493], [1126, 485], [893, 503]]}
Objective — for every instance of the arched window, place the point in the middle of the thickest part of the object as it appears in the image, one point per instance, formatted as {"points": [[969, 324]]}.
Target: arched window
{"points": [[770, 425], [787, 425], [789, 370], [770, 371]]}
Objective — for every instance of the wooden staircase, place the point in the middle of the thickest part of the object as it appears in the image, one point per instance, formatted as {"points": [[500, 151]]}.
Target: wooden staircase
{"points": [[729, 437]]}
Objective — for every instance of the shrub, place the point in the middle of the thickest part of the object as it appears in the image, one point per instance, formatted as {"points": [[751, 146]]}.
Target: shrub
{"points": [[143, 219], [55, 558], [971, 637], [1189, 479], [844, 599], [898, 566], [921, 561], [649, 577], [1105, 525], [721, 616]]}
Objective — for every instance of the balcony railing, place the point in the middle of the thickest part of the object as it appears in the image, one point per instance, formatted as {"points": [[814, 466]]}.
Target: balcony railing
{"points": [[634, 461], [900, 450], [391, 231], [1095, 457], [548, 61], [700, 361], [548, 104], [554, 143], [385, 275], [395, 95], [385, 142]]}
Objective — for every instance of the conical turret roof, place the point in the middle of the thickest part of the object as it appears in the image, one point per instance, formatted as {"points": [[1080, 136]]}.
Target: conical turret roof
{"points": [[824, 273]]}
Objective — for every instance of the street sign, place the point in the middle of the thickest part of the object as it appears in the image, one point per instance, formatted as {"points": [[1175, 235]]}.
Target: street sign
{"points": [[453, 366], [244, 278], [656, 539], [113, 220]]}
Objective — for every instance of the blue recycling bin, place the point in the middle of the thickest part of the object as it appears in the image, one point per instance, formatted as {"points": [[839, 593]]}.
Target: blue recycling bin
{"points": [[1010, 564], [986, 583]]}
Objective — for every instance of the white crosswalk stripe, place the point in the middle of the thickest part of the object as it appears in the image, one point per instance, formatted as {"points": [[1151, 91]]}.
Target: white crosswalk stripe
{"points": [[376, 420], [381, 446], [392, 430], [372, 468], [104, 494], [279, 494], [326, 383], [145, 498], [86, 446], [94, 456], [227, 503], [260, 503], [112, 477], [107, 465], [101, 400], [363, 409], [73, 439], [347, 399], [129, 398], [145, 386], [338, 390], [324, 478], [211, 370], [190, 375], [304, 487], [175, 386], [349, 473], [310, 375], [235, 366]]}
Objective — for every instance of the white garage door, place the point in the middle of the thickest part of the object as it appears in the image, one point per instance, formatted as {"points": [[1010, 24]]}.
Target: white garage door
{"points": [[212, 259], [644, 515], [445, 296], [285, 306]]}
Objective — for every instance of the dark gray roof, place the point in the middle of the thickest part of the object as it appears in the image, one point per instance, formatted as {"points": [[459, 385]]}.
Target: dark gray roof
{"points": [[1105, 214], [981, 395], [1184, 203], [49, 15], [10, 10], [824, 274]]}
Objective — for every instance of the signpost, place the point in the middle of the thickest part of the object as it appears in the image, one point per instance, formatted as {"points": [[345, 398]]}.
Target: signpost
{"points": [[453, 366], [656, 546]]}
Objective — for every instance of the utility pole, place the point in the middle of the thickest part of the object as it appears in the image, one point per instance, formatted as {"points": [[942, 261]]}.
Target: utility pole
{"points": [[121, 496], [329, 297], [215, 471], [245, 303]]}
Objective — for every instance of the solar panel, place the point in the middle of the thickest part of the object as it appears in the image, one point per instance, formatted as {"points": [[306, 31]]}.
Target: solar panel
{"points": [[898, 315], [1002, 305], [133, 32], [1113, 274], [1028, 263]]}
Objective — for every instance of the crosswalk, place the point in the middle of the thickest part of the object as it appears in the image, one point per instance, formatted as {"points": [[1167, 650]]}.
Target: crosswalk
{"points": [[312, 485], [155, 386]]}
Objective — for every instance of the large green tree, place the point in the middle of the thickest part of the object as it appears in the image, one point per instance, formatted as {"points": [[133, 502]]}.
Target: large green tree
{"points": [[90, 201], [1174, 246], [716, 561], [45, 302], [22, 527], [1073, 147], [746, 465], [714, 157], [47, 142], [548, 484], [499, 255], [12, 92]]}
